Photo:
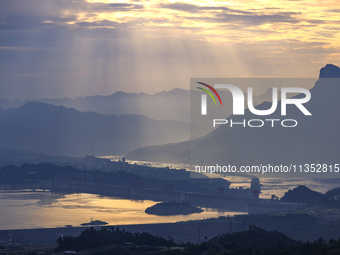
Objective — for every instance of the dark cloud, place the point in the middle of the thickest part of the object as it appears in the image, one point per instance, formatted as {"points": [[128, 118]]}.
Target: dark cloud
{"points": [[181, 7], [39, 14], [101, 23], [112, 7], [334, 10], [124, 5], [251, 17], [33, 14], [315, 21], [256, 19], [248, 20], [195, 8]]}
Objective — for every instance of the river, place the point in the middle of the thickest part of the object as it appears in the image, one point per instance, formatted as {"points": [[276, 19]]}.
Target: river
{"points": [[24, 209]]}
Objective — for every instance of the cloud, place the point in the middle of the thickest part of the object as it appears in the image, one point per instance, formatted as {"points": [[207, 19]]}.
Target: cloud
{"points": [[118, 7], [250, 17], [196, 8], [253, 19], [33, 14], [20, 48], [334, 10], [59, 14], [62, 48]]}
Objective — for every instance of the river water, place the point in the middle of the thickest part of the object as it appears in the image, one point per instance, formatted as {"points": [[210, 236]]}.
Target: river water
{"points": [[26, 209]]}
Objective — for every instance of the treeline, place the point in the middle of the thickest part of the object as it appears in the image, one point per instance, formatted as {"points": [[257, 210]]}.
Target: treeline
{"points": [[46, 171], [261, 242], [91, 238], [255, 241], [302, 227]]}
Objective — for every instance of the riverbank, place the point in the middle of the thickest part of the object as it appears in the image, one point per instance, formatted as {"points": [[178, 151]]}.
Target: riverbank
{"points": [[302, 227], [28, 209]]}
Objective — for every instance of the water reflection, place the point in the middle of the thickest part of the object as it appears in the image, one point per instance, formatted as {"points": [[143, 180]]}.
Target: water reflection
{"points": [[28, 209]]}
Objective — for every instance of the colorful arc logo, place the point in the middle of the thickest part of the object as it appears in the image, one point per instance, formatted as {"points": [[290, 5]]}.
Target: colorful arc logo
{"points": [[208, 92]]}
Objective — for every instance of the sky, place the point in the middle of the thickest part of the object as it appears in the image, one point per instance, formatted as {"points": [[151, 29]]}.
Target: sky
{"points": [[70, 48]]}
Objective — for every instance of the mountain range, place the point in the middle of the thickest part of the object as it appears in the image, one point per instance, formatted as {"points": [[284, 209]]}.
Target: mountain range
{"points": [[165, 105], [315, 138], [53, 130], [51, 126]]}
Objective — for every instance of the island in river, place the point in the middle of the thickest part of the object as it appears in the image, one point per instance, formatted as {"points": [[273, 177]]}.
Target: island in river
{"points": [[95, 222], [172, 208]]}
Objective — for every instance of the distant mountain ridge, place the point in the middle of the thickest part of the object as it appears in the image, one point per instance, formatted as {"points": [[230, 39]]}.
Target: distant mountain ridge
{"points": [[49, 129], [154, 106], [164, 105]]}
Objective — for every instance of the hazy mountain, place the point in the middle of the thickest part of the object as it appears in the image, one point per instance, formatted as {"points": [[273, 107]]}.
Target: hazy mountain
{"points": [[165, 105], [49, 129], [5, 104], [154, 106], [315, 138]]}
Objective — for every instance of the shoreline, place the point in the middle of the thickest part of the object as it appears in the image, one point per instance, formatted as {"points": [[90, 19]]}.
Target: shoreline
{"points": [[181, 231]]}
